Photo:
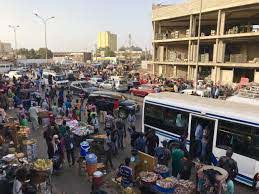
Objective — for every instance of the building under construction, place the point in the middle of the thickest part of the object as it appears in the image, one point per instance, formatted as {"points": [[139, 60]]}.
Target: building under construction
{"points": [[229, 40]]}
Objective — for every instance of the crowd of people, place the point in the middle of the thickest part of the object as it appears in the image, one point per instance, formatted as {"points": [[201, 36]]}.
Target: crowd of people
{"points": [[60, 142]]}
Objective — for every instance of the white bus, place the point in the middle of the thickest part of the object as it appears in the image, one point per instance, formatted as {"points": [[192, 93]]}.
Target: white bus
{"points": [[229, 124]]}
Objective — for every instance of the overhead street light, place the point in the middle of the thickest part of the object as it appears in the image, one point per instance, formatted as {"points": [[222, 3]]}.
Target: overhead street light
{"points": [[14, 27], [45, 20]]}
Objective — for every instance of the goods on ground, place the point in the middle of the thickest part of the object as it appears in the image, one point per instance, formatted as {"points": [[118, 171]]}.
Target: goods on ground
{"points": [[148, 177], [42, 164]]}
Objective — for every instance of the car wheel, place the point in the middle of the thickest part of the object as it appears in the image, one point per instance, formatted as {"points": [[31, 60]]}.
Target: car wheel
{"points": [[123, 114]]}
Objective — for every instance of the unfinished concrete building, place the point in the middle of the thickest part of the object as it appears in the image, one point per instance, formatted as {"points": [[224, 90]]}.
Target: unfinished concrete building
{"points": [[229, 40]]}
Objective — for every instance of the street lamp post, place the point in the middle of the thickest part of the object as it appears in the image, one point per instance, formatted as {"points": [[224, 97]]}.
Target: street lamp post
{"points": [[198, 48], [45, 20], [15, 40]]}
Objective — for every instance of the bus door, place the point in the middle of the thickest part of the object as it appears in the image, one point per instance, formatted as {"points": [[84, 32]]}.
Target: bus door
{"points": [[201, 137]]}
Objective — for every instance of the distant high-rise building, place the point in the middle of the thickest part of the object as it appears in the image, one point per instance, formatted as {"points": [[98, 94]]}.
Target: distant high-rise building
{"points": [[107, 40]]}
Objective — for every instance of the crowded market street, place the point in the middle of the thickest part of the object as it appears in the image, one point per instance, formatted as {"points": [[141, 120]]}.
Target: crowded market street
{"points": [[68, 181]]}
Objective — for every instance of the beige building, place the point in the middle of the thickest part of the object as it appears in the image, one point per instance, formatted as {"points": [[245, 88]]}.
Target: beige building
{"points": [[107, 40], [6, 51], [80, 57], [229, 42]]}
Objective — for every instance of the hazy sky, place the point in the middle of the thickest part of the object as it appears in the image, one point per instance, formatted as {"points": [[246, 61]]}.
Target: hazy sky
{"points": [[77, 22]]}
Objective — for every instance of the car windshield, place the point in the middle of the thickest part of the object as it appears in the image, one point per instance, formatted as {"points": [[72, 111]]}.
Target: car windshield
{"points": [[59, 78]]}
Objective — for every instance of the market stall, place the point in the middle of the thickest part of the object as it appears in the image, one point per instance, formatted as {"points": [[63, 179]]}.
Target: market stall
{"points": [[18, 151], [149, 177], [81, 130]]}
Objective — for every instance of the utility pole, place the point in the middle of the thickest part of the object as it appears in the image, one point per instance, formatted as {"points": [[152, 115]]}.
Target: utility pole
{"points": [[45, 20], [15, 40], [198, 48]]}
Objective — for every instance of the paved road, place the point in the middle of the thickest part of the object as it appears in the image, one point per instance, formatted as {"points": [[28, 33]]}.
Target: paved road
{"points": [[70, 182]]}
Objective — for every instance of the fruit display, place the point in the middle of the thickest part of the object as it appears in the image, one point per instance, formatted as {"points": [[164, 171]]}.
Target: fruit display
{"points": [[167, 183], [148, 177], [184, 187], [42, 164], [82, 129], [161, 169]]}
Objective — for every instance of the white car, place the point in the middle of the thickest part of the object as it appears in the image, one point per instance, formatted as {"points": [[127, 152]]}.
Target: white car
{"points": [[16, 74], [120, 85], [192, 91], [96, 81], [106, 85]]}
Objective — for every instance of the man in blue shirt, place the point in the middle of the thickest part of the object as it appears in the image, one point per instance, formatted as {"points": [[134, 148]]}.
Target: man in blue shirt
{"points": [[140, 143], [126, 174], [67, 106]]}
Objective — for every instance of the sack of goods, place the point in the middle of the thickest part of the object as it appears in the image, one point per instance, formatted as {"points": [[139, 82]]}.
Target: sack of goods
{"points": [[43, 164]]}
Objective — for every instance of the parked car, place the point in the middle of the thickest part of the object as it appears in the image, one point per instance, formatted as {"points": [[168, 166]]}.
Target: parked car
{"points": [[71, 77], [16, 74], [144, 90], [105, 101], [58, 79], [96, 81], [82, 88], [120, 84], [133, 84]]}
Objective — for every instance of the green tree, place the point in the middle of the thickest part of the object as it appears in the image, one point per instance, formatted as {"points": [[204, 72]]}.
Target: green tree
{"points": [[109, 53], [32, 54], [42, 53], [23, 51], [35, 54]]}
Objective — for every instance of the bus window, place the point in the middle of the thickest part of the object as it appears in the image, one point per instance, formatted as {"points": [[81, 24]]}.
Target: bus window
{"points": [[241, 138], [167, 119]]}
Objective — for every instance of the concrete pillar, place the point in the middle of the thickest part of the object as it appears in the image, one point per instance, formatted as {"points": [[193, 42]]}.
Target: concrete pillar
{"points": [[190, 25], [174, 72], [218, 22], [193, 30], [188, 72], [216, 46], [221, 49], [161, 53], [256, 76], [166, 53], [217, 74], [222, 22], [189, 51], [213, 74], [191, 72]]}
